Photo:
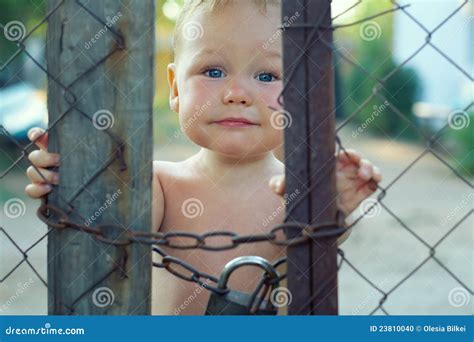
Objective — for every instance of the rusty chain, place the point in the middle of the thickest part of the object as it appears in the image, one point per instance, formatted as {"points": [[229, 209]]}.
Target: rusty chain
{"points": [[119, 236]]}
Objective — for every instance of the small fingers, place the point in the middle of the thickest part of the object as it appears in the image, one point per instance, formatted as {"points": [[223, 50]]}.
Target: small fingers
{"points": [[277, 184], [39, 136], [42, 158], [349, 156], [37, 190], [46, 175], [365, 169], [377, 174]]}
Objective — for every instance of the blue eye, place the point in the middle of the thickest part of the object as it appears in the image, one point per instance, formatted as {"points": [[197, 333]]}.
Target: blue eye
{"points": [[266, 77], [214, 73]]}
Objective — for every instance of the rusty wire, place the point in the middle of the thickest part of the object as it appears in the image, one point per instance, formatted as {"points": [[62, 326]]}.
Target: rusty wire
{"points": [[57, 218]]}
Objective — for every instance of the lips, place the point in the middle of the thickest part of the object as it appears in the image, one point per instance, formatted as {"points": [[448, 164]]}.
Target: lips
{"points": [[235, 122]]}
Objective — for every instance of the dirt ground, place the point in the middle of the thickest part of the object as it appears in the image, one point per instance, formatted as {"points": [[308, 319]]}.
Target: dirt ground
{"points": [[429, 200]]}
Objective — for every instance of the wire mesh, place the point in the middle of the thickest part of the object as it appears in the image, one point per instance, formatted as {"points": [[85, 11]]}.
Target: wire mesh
{"points": [[14, 206]]}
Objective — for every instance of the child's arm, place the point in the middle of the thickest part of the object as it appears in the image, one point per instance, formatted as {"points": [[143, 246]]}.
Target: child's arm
{"points": [[158, 198], [356, 179], [43, 159]]}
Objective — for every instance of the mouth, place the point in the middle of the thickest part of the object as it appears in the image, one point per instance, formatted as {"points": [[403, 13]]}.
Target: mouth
{"points": [[235, 122]]}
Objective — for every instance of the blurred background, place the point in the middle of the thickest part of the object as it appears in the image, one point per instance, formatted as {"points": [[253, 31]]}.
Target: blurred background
{"points": [[427, 88]]}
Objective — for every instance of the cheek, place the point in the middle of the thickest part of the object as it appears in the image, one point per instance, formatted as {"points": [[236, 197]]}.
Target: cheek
{"points": [[196, 103], [274, 124], [196, 95], [275, 138], [195, 108], [269, 95]]}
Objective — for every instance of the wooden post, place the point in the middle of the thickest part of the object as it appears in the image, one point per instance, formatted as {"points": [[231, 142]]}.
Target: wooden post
{"points": [[309, 156], [100, 89]]}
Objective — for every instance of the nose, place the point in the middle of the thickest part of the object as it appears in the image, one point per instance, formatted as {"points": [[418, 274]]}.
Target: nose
{"points": [[235, 93]]}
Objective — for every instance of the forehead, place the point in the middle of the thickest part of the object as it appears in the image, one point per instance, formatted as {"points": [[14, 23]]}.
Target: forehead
{"points": [[241, 25]]}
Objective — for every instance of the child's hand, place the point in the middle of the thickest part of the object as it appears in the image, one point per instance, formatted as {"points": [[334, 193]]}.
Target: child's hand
{"points": [[356, 179], [42, 159]]}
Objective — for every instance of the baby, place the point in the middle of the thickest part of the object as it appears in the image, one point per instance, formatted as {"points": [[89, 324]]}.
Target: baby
{"points": [[227, 75]]}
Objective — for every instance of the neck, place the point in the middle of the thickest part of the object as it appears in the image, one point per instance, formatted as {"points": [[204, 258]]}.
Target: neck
{"points": [[232, 169]]}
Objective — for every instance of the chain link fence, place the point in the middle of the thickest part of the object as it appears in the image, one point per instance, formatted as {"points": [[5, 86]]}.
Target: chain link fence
{"points": [[117, 236]]}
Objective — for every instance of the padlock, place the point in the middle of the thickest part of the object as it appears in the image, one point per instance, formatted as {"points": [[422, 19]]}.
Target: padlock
{"points": [[240, 303]]}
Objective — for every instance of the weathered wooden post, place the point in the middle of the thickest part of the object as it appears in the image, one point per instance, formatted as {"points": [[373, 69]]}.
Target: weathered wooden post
{"points": [[100, 90], [309, 154]]}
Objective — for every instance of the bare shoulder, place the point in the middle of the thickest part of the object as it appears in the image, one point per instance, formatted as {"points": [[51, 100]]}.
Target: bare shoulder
{"points": [[164, 175], [166, 171]]}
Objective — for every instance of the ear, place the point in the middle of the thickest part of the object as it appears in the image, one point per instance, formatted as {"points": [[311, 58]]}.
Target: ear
{"points": [[173, 85]]}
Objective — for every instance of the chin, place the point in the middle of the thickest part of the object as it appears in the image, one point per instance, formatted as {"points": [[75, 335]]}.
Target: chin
{"points": [[234, 146], [239, 149]]}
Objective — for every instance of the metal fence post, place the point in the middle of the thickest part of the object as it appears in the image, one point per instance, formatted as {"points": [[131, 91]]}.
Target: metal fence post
{"points": [[309, 154], [100, 90]]}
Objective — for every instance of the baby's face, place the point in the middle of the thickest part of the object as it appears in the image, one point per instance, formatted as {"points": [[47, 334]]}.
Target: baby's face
{"points": [[234, 72]]}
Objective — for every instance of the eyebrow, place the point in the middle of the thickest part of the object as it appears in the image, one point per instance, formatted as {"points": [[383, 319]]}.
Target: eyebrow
{"points": [[205, 51], [211, 51], [267, 53]]}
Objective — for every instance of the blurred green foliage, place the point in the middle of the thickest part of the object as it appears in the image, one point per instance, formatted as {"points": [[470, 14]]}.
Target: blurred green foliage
{"points": [[29, 13], [371, 49], [459, 144]]}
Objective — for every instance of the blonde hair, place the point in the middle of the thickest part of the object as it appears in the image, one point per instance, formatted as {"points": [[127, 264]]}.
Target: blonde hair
{"points": [[211, 5]]}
